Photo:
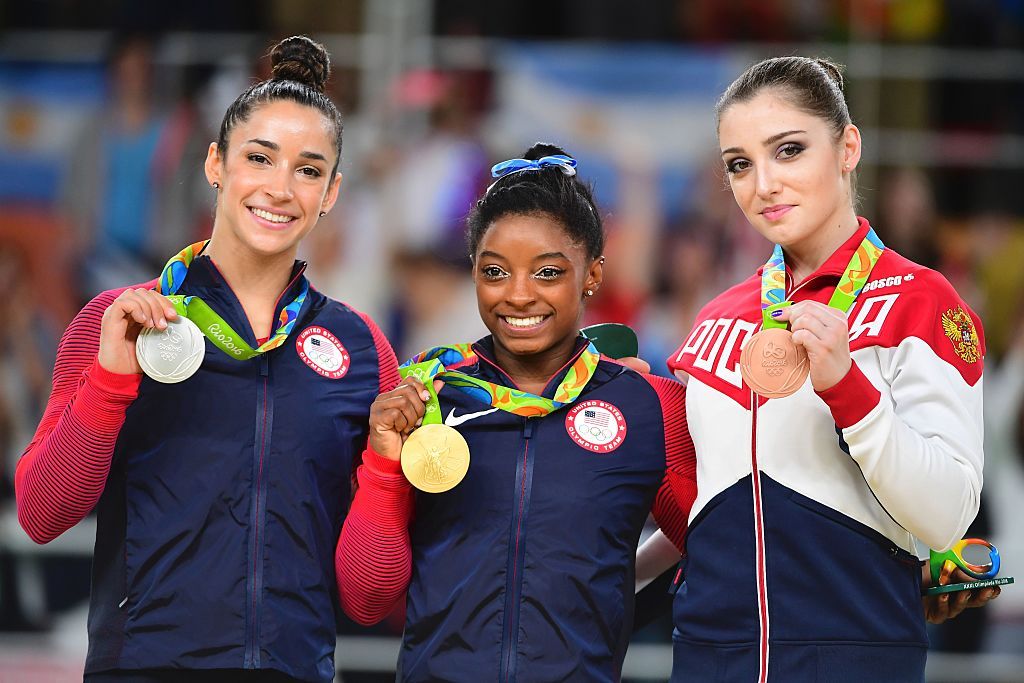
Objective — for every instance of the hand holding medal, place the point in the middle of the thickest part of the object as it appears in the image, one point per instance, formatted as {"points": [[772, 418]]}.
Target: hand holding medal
{"points": [[406, 423], [435, 457], [133, 314], [822, 334], [775, 361], [170, 346]]}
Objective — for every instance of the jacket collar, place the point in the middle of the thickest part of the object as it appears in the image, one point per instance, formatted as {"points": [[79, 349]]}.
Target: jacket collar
{"points": [[487, 367], [205, 280], [835, 265]]}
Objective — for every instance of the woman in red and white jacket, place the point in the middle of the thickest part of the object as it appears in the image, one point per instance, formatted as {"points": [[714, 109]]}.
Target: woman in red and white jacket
{"points": [[801, 557]]}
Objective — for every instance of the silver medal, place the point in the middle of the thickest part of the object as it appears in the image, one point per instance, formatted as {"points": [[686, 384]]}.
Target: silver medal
{"points": [[173, 354]]}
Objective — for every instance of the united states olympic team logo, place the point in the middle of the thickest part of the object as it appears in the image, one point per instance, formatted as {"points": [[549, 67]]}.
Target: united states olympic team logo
{"points": [[321, 350], [597, 426]]}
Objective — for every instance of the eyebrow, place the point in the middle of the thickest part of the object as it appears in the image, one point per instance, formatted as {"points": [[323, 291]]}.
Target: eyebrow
{"points": [[273, 146], [774, 138], [538, 257]]}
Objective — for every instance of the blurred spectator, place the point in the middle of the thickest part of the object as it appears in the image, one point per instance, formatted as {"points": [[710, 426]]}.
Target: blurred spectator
{"points": [[999, 240], [435, 301], [429, 191], [907, 217], [703, 252], [426, 196], [349, 251], [135, 191]]}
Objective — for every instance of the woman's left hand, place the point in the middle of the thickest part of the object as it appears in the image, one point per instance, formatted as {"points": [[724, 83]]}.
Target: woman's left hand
{"points": [[939, 608], [824, 334]]}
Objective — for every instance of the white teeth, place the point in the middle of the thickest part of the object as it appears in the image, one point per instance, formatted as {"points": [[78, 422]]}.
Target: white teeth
{"points": [[524, 322], [272, 217]]}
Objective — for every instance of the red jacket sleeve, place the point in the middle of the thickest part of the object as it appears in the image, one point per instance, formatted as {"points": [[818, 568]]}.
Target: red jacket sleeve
{"points": [[679, 487], [62, 472], [373, 558], [374, 554]]}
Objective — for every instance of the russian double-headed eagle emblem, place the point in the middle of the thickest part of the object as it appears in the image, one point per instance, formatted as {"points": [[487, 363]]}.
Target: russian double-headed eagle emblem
{"points": [[959, 327]]}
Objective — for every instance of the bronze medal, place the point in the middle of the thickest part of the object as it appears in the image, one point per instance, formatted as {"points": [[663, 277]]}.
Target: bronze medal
{"points": [[772, 365], [435, 458]]}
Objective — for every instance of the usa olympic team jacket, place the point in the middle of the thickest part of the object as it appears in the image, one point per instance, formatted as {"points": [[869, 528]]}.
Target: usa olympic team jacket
{"points": [[525, 570], [807, 571], [219, 499]]}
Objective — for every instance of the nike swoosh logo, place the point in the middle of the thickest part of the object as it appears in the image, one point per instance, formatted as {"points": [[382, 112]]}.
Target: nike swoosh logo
{"points": [[454, 420]]}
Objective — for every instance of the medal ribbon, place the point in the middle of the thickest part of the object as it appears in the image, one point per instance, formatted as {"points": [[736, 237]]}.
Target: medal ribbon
{"points": [[773, 279], [212, 325], [432, 363]]}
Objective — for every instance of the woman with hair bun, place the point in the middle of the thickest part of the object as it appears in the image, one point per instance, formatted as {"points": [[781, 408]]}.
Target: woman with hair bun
{"points": [[221, 478], [523, 570], [834, 398]]}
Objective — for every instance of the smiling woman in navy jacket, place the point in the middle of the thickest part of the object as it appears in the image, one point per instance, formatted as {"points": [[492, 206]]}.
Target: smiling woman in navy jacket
{"points": [[219, 498], [525, 570]]}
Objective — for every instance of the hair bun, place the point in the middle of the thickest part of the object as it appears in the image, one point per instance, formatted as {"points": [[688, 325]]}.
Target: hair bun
{"points": [[544, 149], [301, 59], [833, 70]]}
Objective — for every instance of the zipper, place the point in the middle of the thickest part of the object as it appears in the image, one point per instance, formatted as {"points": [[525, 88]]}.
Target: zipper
{"points": [[516, 559], [760, 568], [257, 516]]}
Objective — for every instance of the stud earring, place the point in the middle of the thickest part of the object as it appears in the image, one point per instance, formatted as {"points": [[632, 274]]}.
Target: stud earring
{"points": [[846, 166], [323, 213], [590, 292], [216, 185]]}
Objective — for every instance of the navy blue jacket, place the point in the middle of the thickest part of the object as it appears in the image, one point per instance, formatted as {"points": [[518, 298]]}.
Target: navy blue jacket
{"points": [[217, 527], [525, 570]]}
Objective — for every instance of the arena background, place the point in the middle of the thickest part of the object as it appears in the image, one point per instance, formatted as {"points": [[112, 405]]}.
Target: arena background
{"points": [[433, 93]]}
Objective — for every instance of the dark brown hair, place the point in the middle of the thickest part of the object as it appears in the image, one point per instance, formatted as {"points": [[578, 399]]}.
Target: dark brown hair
{"points": [[301, 67], [812, 85]]}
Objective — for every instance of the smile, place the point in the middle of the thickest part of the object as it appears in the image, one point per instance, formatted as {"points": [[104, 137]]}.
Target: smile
{"points": [[774, 213], [523, 323], [272, 217]]}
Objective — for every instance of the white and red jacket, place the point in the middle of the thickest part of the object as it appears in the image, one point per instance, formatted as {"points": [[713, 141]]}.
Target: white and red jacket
{"points": [[808, 571]]}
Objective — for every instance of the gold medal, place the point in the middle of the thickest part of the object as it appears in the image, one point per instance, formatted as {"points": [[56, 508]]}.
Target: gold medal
{"points": [[435, 458], [772, 365]]}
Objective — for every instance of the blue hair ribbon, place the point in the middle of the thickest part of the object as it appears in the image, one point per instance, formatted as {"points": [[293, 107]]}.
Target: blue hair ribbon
{"points": [[566, 163]]}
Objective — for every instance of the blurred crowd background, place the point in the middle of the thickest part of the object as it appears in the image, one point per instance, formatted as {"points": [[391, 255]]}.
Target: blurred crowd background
{"points": [[107, 109]]}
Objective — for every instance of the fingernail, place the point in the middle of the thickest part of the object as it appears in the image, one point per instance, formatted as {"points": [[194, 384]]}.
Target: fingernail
{"points": [[161, 323], [776, 313], [419, 422], [425, 395]]}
